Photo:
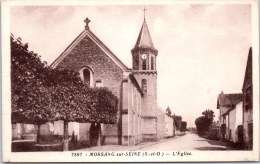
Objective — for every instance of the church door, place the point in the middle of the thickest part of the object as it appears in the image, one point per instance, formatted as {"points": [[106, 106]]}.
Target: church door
{"points": [[95, 134]]}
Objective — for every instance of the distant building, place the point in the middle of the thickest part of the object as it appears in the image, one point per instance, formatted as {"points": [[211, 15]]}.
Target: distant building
{"points": [[230, 115], [248, 104], [166, 124]]}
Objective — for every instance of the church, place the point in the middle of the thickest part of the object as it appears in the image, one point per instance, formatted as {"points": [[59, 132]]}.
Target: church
{"points": [[136, 88]]}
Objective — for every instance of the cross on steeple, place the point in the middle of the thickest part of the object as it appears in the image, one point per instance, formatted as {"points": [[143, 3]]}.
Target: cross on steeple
{"points": [[144, 12], [87, 22]]}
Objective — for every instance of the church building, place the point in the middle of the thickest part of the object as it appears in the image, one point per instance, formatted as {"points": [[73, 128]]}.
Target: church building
{"points": [[135, 88]]}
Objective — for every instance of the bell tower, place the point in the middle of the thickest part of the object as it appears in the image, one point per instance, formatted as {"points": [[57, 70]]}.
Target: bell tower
{"points": [[144, 69]]}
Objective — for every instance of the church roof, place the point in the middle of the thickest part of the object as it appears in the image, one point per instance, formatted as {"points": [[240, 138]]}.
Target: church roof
{"points": [[144, 39], [248, 72], [96, 40]]}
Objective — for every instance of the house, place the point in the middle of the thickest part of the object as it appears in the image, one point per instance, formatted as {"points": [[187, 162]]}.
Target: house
{"points": [[248, 104], [230, 116], [235, 122], [166, 125], [169, 126], [136, 88]]}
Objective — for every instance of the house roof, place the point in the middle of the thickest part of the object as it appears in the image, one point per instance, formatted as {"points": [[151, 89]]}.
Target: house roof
{"points": [[248, 68], [144, 39], [98, 42], [229, 99]]}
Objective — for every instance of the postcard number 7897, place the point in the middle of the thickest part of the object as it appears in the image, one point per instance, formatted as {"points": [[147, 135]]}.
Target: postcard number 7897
{"points": [[76, 154]]}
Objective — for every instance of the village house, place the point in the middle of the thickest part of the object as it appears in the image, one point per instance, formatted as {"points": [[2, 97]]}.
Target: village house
{"points": [[136, 89], [230, 116], [248, 104], [166, 124], [236, 111], [236, 123]]}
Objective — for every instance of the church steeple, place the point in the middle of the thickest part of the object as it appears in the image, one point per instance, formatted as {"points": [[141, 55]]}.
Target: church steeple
{"points": [[144, 40], [144, 70], [144, 54]]}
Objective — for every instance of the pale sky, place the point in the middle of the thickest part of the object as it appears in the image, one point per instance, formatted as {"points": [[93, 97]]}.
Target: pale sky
{"points": [[202, 49]]}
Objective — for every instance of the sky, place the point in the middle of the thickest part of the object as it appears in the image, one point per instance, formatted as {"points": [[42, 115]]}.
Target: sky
{"points": [[202, 49]]}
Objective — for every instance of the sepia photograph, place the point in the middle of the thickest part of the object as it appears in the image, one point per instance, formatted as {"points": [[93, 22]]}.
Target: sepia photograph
{"points": [[148, 81]]}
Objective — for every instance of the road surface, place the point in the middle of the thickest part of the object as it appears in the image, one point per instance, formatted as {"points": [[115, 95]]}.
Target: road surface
{"points": [[189, 141]]}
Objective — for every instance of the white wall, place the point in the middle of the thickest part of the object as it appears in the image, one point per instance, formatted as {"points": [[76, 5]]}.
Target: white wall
{"points": [[235, 116], [56, 128], [239, 118], [169, 126]]}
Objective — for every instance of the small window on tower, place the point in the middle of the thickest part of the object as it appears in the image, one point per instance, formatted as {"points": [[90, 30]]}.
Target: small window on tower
{"points": [[136, 62], [144, 58], [144, 64], [152, 63], [144, 84]]}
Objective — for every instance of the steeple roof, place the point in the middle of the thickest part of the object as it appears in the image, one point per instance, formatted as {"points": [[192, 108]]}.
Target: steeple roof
{"points": [[144, 39]]}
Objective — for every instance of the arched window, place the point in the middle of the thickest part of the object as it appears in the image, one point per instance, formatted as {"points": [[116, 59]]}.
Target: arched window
{"points": [[86, 75], [152, 63], [144, 84]]}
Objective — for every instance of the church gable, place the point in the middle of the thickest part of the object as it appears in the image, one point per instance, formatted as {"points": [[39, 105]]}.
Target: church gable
{"points": [[92, 39], [87, 51]]}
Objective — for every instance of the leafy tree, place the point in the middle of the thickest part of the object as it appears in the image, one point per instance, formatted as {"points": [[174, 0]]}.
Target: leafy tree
{"points": [[177, 121], [41, 94], [96, 105], [203, 123], [183, 126], [209, 114], [28, 98]]}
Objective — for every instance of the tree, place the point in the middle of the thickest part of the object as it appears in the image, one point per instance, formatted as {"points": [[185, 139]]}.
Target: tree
{"points": [[41, 94], [28, 95], [209, 114], [177, 121], [183, 126], [203, 123]]}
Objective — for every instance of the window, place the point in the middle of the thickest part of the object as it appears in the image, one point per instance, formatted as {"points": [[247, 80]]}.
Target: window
{"points": [[144, 64], [136, 63], [86, 75], [144, 85], [99, 84], [152, 63]]}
